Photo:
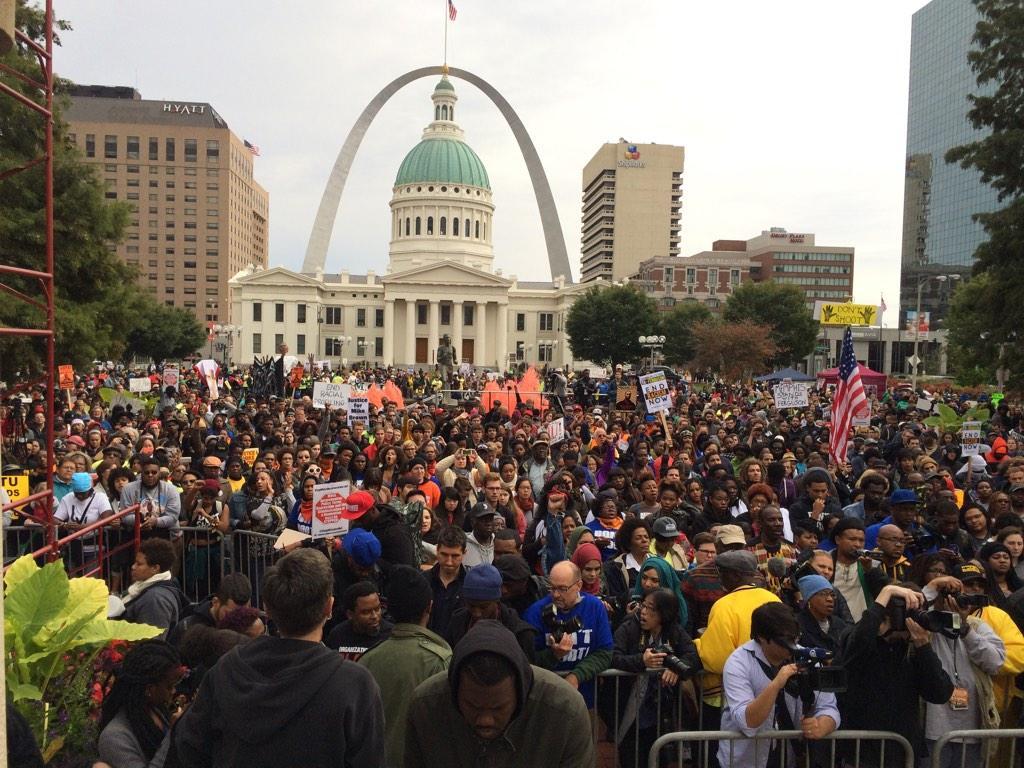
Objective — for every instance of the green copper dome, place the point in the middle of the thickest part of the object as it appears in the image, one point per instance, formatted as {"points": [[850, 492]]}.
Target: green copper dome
{"points": [[444, 85], [445, 161]]}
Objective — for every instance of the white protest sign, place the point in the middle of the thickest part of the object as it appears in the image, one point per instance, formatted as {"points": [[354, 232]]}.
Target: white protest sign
{"points": [[140, 384], [556, 430], [330, 509], [656, 392], [358, 411], [970, 438], [334, 395], [861, 420], [790, 394], [924, 404], [171, 376]]}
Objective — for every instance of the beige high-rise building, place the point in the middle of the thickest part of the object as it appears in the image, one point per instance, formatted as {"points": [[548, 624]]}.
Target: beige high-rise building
{"points": [[632, 198], [198, 216]]}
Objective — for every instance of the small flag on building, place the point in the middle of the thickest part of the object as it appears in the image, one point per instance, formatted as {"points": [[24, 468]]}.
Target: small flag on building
{"points": [[252, 147], [452, 12]]}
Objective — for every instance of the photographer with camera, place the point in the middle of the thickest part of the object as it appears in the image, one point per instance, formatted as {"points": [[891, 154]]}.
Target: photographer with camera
{"points": [[760, 693], [652, 640], [971, 653], [889, 658]]}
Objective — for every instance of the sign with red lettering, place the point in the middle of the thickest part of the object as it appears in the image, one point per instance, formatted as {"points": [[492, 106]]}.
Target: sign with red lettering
{"points": [[331, 513], [66, 374]]}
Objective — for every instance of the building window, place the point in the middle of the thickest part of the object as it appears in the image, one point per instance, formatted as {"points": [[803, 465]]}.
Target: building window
{"points": [[430, 225], [154, 148], [417, 225], [545, 353], [734, 277], [476, 230], [132, 149], [332, 347], [406, 226], [278, 314], [378, 347], [110, 147], [257, 340], [300, 310], [378, 318], [212, 150], [520, 350], [712, 281], [361, 317], [520, 322], [444, 226], [90, 145], [361, 346], [467, 314], [455, 227], [332, 315], [169, 151], [547, 321], [465, 230], [191, 150], [446, 314], [300, 344], [421, 314]]}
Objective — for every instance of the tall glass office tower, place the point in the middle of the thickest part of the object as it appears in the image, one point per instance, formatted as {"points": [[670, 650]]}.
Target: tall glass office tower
{"points": [[939, 236]]}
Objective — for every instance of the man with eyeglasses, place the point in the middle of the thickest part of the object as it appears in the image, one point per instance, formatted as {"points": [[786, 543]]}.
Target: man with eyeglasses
{"points": [[891, 544], [574, 636]]}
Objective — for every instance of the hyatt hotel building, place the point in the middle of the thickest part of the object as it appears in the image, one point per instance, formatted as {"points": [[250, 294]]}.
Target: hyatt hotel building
{"points": [[198, 216]]}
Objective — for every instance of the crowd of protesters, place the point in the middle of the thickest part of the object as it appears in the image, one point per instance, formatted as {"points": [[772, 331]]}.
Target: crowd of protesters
{"points": [[497, 572]]}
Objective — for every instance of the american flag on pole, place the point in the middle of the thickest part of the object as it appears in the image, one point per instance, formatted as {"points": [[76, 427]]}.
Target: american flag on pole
{"points": [[452, 13], [882, 305], [849, 399], [251, 147]]}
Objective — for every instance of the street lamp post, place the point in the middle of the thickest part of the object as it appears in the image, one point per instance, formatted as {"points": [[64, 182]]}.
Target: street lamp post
{"points": [[915, 360], [652, 343]]}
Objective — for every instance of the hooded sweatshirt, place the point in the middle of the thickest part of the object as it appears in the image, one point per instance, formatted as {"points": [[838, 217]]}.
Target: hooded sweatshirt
{"points": [[550, 724], [272, 700]]}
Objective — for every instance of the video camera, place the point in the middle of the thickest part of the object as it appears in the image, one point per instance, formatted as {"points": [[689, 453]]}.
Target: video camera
{"points": [[560, 627], [815, 675]]}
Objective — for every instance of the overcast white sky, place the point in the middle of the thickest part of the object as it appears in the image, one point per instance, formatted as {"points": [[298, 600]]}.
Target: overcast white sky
{"points": [[793, 113]]}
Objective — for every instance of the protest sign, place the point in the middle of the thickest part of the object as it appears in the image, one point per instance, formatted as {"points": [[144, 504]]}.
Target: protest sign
{"points": [[171, 376], [625, 398], [656, 392], [358, 411], [139, 384], [556, 430], [249, 456], [790, 395], [334, 395], [970, 438], [295, 377], [330, 509], [66, 374], [15, 485], [924, 404]]}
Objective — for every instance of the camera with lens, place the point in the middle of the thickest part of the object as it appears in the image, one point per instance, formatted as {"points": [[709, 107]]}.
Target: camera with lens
{"points": [[673, 662], [874, 554], [815, 674], [920, 541], [931, 620], [972, 601], [560, 627]]}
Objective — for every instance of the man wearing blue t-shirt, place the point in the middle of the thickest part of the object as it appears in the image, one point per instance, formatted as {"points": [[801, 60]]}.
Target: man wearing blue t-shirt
{"points": [[574, 635]]}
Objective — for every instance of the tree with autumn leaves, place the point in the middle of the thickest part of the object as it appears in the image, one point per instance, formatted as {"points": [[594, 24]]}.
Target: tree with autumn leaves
{"points": [[736, 351]]}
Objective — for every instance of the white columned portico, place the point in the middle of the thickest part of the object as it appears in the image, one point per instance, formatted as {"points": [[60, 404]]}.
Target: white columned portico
{"points": [[410, 332], [389, 332], [501, 336], [457, 329], [432, 331], [480, 345]]}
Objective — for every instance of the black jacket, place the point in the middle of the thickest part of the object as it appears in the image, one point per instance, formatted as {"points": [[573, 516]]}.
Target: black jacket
{"points": [[395, 537], [200, 615], [884, 684], [272, 700], [813, 636], [525, 633]]}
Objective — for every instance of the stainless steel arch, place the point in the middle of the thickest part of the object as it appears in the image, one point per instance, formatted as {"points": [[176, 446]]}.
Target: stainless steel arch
{"points": [[320, 237]]}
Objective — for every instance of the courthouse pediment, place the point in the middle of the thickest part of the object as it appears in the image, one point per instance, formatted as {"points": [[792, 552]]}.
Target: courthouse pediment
{"points": [[445, 273]]}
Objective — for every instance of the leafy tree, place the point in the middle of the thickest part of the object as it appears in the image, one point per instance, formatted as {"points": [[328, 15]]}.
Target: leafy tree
{"points": [[164, 333], [992, 308], [96, 297], [678, 327], [736, 351], [605, 323], [783, 309]]}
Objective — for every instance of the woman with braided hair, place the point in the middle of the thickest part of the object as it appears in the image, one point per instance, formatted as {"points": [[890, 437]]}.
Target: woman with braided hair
{"points": [[137, 715]]}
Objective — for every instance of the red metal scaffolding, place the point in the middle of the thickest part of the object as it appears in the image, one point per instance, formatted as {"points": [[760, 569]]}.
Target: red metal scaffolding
{"points": [[42, 106]]}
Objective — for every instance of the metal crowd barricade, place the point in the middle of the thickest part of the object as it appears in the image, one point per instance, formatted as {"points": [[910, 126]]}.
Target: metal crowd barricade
{"points": [[250, 553], [202, 552], [826, 757], [22, 540], [1008, 754]]}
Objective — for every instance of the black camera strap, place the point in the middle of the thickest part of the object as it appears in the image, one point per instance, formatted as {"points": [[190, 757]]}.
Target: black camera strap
{"points": [[783, 718]]}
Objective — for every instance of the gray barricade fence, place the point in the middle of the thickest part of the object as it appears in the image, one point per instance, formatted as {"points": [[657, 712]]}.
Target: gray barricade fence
{"points": [[22, 540], [201, 552], [971, 749], [250, 553], [840, 749]]}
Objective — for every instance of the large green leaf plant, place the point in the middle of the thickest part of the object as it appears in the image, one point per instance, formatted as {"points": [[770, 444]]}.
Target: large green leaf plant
{"points": [[949, 420]]}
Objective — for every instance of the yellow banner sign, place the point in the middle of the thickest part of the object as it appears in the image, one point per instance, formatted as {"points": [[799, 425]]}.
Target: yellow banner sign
{"points": [[15, 485], [848, 314]]}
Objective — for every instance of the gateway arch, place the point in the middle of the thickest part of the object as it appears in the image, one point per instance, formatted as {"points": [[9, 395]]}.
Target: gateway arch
{"points": [[323, 226]]}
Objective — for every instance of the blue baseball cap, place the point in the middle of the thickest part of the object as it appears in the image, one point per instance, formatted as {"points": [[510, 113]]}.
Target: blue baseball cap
{"points": [[903, 496], [81, 482]]}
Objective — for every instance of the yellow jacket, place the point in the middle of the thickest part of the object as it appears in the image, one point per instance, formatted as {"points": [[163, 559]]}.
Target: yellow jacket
{"points": [[1003, 685], [728, 629]]}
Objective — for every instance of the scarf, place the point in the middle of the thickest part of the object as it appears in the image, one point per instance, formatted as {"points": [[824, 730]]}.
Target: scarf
{"points": [[585, 553], [667, 578], [139, 587]]}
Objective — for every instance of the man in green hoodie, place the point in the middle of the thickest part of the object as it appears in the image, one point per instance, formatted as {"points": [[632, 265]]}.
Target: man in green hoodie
{"points": [[492, 704]]}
